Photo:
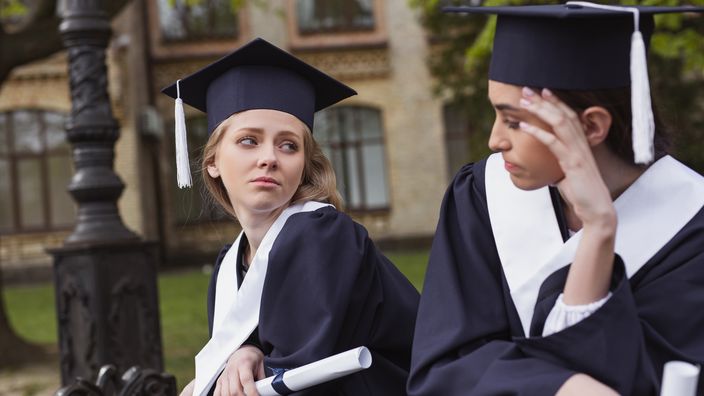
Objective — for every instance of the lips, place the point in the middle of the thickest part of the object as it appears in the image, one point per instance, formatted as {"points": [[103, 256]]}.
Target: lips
{"points": [[510, 167], [265, 180]]}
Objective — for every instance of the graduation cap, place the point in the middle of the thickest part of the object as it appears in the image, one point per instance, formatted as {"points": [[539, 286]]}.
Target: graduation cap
{"points": [[579, 46], [258, 75]]}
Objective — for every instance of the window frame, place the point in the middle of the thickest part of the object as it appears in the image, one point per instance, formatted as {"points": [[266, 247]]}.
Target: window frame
{"points": [[14, 158], [377, 37], [168, 49], [358, 145]]}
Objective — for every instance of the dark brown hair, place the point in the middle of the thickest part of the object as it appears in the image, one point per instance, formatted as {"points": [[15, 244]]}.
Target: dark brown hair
{"points": [[618, 103]]}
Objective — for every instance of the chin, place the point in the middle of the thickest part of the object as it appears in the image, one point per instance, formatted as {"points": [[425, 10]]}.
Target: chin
{"points": [[262, 204], [527, 184]]}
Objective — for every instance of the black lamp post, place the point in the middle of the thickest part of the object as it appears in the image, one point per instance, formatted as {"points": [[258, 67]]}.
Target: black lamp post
{"points": [[104, 274]]}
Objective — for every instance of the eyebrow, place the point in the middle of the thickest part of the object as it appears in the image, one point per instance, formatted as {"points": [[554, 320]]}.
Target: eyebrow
{"points": [[260, 131], [250, 130], [506, 107]]}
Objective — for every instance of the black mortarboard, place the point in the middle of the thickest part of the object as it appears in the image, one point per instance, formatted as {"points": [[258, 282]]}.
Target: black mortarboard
{"points": [[258, 75], [578, 46]]}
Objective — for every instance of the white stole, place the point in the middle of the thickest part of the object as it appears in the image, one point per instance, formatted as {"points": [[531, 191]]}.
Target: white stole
{"points": [[650, 212], [237, 311]]}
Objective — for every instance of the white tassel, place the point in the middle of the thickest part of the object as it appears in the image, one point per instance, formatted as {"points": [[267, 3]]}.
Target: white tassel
{"points": [[643, 122], [183, 169]]}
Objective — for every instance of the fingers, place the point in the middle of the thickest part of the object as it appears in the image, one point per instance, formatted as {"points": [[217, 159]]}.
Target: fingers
{"points": [[247, 381], [229, 384], [549, 139], [188, 389], [551, 98], [260, 371], [235, 384], [563, 120], [218, 389]]}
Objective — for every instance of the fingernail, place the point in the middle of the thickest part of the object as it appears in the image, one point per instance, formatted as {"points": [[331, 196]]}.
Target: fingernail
{"points": [[547, 92], [524, 102], [528, 92], [525, 126]]}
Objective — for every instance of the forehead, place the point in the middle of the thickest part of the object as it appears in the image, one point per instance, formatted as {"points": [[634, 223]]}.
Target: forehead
{"points": [[503, 93], [266, 120]]}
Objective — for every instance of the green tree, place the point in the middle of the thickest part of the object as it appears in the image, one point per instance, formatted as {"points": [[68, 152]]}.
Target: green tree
{"points": [[462, 44]]}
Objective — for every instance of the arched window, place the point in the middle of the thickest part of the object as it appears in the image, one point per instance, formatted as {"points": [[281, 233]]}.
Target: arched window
{"points": [[35, 169], [352, 137]]}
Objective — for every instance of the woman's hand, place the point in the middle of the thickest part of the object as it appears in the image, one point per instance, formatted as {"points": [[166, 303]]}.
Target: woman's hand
{"points": [[584, 190], [244, 366], [188, 389], [582, 384], [582, 187]]}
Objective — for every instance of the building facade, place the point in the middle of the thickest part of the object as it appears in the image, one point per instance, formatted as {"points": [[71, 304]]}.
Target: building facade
{"points": [[389, 144]]}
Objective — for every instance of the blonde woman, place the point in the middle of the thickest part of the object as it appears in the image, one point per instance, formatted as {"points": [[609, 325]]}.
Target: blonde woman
{"points": [[302, 281]]}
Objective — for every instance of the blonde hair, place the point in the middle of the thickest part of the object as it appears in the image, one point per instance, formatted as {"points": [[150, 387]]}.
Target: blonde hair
{"points": [[318, 182]]}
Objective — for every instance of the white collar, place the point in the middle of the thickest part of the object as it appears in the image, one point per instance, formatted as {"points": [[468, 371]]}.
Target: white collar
{"points": [[237, 311], [650, 212]]}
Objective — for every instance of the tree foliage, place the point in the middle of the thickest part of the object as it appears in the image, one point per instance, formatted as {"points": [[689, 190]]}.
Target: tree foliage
{"points": [[12, 9], [461, 51], [235, 5]]}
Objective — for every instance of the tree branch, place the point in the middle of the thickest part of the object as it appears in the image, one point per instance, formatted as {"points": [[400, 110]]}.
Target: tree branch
{"points": [[39, 37]]}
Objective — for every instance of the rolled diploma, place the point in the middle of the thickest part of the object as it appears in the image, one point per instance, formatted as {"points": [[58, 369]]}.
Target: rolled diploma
{"points": [[320, 371], [679, 379]]}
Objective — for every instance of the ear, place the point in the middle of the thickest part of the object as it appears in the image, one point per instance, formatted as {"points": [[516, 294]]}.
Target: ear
{"points": [[213, 171], [597, 122]]}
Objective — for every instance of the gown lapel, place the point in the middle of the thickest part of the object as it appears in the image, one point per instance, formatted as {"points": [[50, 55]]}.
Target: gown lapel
{"points": [[529, 240], [237, 311]]}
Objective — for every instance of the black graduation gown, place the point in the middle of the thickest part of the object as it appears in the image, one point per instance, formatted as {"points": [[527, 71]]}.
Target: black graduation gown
{"points": [[327, 290], [469, 340]]}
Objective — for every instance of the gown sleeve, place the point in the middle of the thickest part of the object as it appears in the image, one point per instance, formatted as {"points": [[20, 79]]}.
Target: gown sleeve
{"points": [[327, 290], [563, 315], [467, 343]]}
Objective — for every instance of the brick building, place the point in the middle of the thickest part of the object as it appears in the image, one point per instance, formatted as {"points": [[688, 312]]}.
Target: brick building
{"points": [[389, 144]]}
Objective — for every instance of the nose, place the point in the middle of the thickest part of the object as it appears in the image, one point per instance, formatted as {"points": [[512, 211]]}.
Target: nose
{"points": [[498, 140], [267, 157]]}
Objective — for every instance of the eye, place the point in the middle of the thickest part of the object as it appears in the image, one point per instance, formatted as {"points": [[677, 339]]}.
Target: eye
{"points": [[289, 146], [247, 141], [512, 124]]}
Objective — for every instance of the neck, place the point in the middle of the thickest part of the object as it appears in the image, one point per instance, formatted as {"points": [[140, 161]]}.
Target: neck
{"points": [[617, 174], [255, 225]]}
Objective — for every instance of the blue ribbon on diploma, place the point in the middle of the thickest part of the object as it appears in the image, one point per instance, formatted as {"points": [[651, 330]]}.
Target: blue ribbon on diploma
{"points": [[314, 373], [278, 382]]}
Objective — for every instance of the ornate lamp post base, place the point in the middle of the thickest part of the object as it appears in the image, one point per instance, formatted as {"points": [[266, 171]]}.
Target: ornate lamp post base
{"points": [[105, 276], [107, 311]]}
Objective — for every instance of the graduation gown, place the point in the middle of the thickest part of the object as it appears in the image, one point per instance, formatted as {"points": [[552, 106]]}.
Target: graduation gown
{"points": [[469, 338], [328, 289]]}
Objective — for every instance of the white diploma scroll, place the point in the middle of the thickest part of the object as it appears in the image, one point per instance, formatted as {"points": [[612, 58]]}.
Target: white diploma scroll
{"points": [[320, 371], [679, 379]]}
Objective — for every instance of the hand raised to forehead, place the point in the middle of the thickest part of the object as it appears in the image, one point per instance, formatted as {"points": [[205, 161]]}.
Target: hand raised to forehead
{"points": [[583, 186]]}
